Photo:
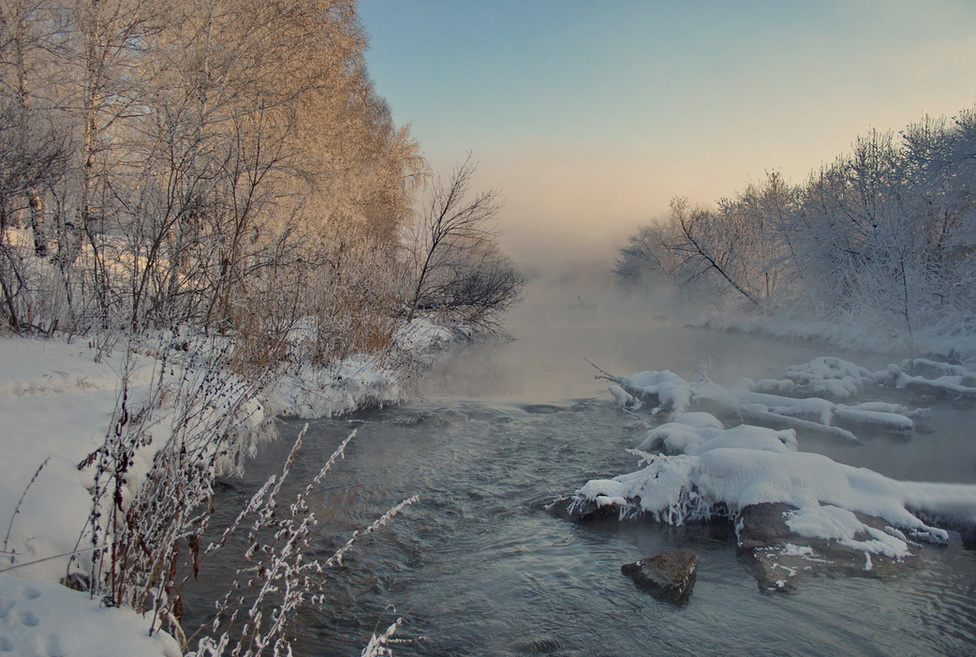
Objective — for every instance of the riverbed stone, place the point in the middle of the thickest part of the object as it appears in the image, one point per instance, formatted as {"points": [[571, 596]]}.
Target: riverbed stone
{"points": [[668, 576], [781, 558]]}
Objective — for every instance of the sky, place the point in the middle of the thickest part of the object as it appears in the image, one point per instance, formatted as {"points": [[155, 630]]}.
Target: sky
{"points": [[589, 117]]}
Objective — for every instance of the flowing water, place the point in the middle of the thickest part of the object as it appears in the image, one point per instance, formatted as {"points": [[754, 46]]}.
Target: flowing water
{"points": [[477, 568]]}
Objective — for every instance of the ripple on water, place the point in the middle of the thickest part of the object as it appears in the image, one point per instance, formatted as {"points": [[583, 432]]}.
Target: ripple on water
{"points": [[479, 569]]}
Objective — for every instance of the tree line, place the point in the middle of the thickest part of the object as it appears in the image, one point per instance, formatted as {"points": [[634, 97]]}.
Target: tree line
{"points": [[883, 238], [225, 164]]}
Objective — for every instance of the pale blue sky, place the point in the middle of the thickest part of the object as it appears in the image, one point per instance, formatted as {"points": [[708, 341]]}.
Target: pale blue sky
{"points": [[590, 116]]}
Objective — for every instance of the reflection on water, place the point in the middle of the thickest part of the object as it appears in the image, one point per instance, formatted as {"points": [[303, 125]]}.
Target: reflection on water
{"points": [[478, 568]]}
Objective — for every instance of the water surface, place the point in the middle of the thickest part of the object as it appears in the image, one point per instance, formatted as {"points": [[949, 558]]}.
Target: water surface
{"points": [[477, 568]]}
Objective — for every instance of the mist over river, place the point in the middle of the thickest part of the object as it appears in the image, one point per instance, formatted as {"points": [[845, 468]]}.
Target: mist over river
{"points": [[476, 567]]}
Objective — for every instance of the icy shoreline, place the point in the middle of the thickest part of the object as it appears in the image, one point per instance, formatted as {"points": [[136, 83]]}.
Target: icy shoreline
{"points": [[57, 401], [697, 469]]}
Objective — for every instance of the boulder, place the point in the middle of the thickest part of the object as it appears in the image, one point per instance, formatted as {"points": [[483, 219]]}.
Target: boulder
{"points": [[781, 558], [668, 576]]}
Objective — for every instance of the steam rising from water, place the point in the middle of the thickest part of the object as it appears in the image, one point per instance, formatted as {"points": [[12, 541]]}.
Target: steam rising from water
{"points": [[481, 570], [577, 315]]}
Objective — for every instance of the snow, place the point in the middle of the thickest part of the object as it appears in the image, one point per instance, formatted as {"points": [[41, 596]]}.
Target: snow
{"points": [[701, 470], [835, 377], [675, 438], [870, 414], [356, 382], [621, 396], [781, 402], [699, 420], [39, 618], [672, 392], [706, 472], [423, 335], [56, 405], [954, 383], [835, 523]]}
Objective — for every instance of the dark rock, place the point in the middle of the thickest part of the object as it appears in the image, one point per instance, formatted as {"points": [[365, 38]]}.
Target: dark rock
{"points": [[762, 525], [569, 508], [668, 576], [780, 558]]}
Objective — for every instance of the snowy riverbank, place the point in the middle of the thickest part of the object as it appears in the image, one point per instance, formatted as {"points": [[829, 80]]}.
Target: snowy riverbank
{"points": [[58, 401]]}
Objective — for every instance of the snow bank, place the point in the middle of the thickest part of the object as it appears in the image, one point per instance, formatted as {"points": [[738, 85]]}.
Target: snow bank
{"points": [[423, 335], [56, 406], [849, 335], [44, 618], [361, 381], [355, 383]]}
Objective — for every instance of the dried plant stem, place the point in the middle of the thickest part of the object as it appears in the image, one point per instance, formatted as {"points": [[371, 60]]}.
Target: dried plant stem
{"points": [[10, 525]]}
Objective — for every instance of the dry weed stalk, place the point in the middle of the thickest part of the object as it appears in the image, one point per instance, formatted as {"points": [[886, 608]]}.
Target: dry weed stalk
{"points": [[251, 619]]}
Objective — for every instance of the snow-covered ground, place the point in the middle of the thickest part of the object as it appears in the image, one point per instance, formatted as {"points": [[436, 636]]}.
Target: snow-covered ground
{"points": [[56, 403], [56, 406]]}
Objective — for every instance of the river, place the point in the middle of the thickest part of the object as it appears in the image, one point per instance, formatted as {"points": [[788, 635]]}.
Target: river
{"points": [[477, 568]]}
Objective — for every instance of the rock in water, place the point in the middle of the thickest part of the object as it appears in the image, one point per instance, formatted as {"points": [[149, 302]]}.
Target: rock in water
{"points": [[780, 558], [668, 576]]}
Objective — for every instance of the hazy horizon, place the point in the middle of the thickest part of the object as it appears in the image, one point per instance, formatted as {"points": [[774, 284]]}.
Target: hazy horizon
{"points": [[590, 118]]}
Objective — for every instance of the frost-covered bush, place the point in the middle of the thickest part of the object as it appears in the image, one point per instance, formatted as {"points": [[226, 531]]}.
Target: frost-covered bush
{"points": [[876, 246]]}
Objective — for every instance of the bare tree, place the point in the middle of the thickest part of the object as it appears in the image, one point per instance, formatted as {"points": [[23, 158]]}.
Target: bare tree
{"points": [[458, 269]]}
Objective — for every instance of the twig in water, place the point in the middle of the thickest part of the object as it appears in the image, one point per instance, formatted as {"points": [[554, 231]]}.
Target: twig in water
{"points": [[603, 373]]}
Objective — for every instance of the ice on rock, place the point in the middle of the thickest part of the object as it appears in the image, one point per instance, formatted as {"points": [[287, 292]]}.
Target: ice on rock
{"points": [[699, 420], [676, 438], [669, 390], [728, 470]]}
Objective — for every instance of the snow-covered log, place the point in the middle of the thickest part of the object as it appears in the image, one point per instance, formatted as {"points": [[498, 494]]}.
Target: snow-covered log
{"points": [[826, 376], [959, 382], [666, 392]]}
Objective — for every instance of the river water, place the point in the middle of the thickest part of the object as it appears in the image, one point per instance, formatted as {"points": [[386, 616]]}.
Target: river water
{"points": [[477, 568]]}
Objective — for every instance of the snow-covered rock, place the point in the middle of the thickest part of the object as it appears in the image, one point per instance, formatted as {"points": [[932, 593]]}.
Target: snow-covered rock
{"points": [[780, 404], [773, 540], [721, 473]]}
